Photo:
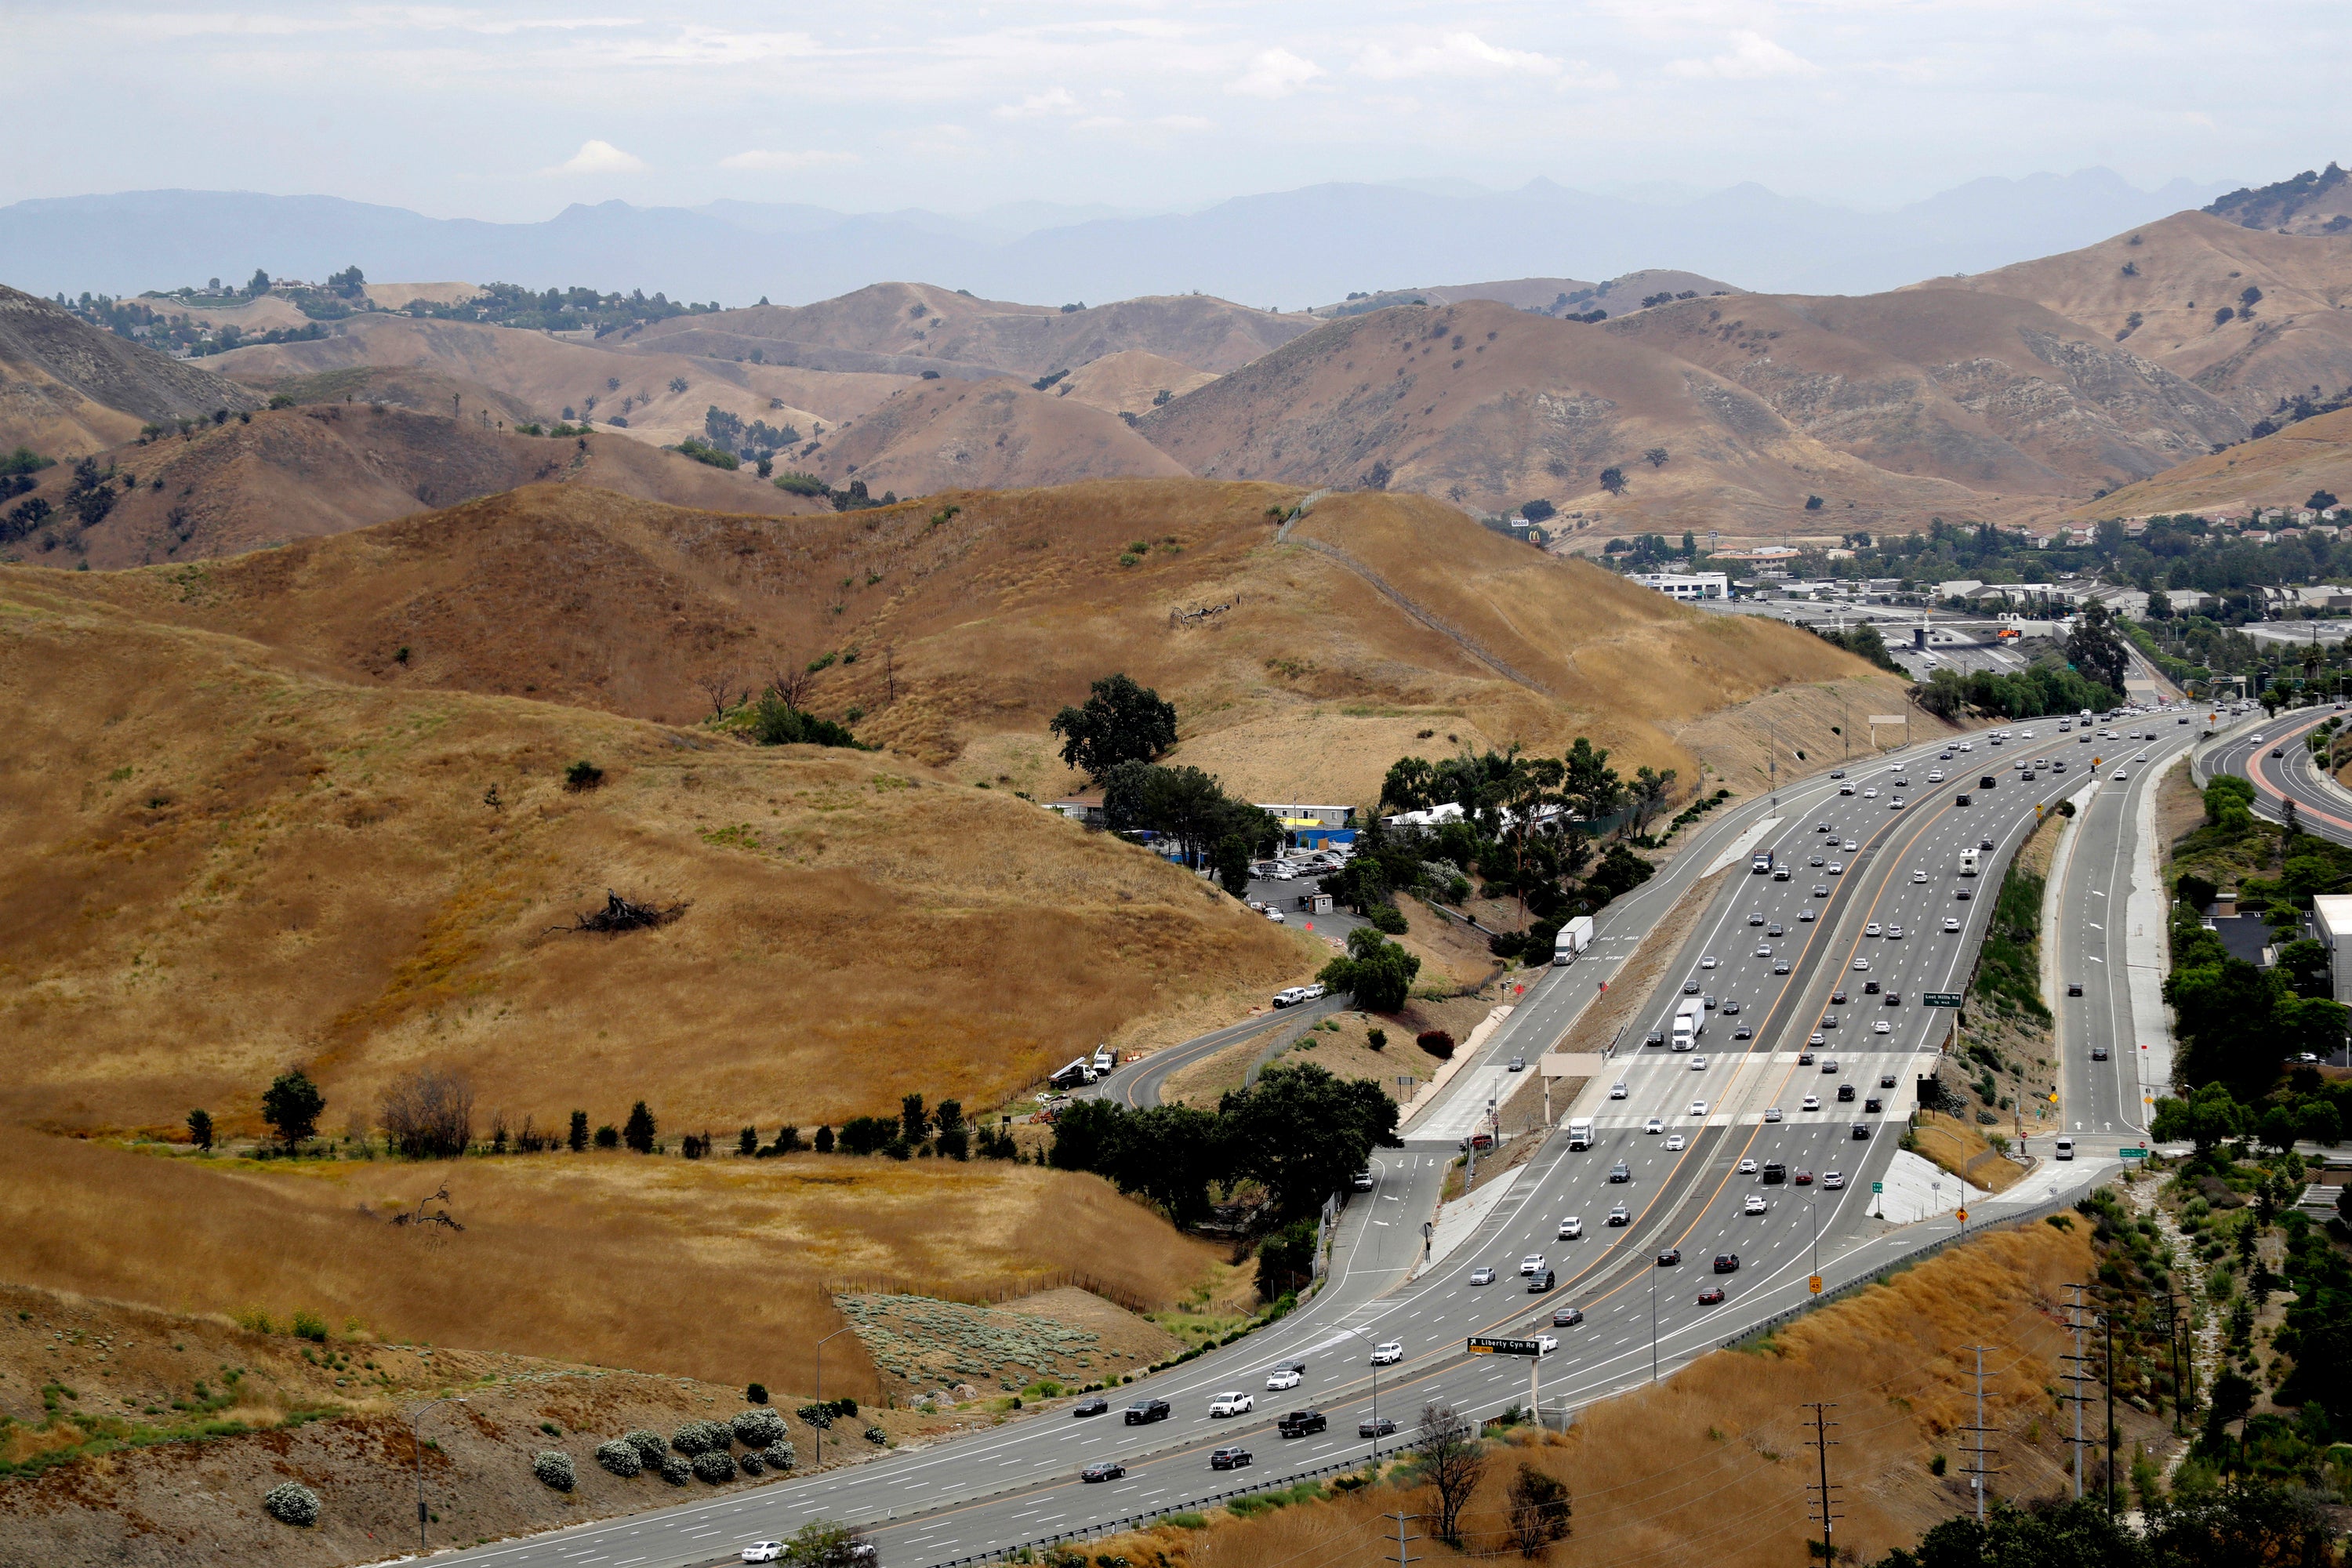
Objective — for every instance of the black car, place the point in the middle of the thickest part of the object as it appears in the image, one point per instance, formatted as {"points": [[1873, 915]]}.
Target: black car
{"points": [[1540, 1283], [1870, 988], [1743, 1032], [1727, 1263], [1621, 1171], [1862, 1132], [1383, 1428], [1961, 894], [1300, 1423], [1656, 1037], [1144, 1410], [2073, 988], [1228, 1458], [1886, 1080], [1984, 843], [1670, 1256], [1731, 1009], [1962, 799], [1846, 1092], [1775, 1173], [1103, 1471], [1567, 1317], [1894, 998], [1094, 1407], [1872, 1104], [1987, 782], [1804, 1059]]}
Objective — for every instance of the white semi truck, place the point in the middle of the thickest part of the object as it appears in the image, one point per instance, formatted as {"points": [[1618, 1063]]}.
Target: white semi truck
{"points": [[1690, 1022], [1573, 939]]}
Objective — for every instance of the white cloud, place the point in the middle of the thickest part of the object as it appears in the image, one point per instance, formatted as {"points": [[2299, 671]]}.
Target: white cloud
{"points": [[765, 159], [1455, 55], [1276, 73], [1751, 56], [596, 157], [1055, 100]]}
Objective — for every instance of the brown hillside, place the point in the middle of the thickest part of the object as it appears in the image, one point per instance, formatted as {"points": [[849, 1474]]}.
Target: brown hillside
{"points": [[547, 374], [296, 473], [919, 321], [1995, 393], [68, 388], [213, 865], [1381, 617], [417, 388], [1487, 405], [2283, 469], [1128, 382], [2182, 270], [2313, 202], [981, 435]]}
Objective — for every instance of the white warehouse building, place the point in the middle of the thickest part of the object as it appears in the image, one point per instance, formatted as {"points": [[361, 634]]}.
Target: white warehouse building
{"points": [[1688, 585]]}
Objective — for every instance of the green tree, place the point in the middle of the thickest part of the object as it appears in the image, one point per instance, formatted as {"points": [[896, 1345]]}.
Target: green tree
{"points": [[200, 1129], [1304, 1132], [1120, 722], [637, 1133], [2207, 1118], [821, 1544], [260, 283], [2095, 649], [291, 1107], [1539, 1511], [913, 1118], [576, 1139], [1232, 865], [2066, 1534], [1376, 972]]}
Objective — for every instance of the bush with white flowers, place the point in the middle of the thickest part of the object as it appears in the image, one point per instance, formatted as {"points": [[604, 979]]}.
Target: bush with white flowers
{"points": [[758, 1427], [700, 1438], [750, 1461], [620, 1457], [675, 1469], [554, 1467], [714, 1466], [780, 1456], [291, 1502], [650, 1446]]}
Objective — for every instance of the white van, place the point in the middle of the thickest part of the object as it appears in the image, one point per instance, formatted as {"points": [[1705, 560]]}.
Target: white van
{"points": [[2066, 1148]]}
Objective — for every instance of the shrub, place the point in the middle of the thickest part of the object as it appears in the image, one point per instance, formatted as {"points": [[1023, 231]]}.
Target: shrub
{"points": [[714, 1467], [554, 1467], [1436, 1042], [780, 1456], [650, 1446], [620, 1457], [702, 451], [876, 1435], [758, 1393], [1387, 918], [700, 1438], [309, 1325], [793, 482], [428, 1114], [758, 1427], [582, 777], [675, 1469], [748, 1462], [291, 1502]]}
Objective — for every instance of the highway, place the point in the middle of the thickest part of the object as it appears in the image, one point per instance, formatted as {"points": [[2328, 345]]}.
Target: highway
{"points": [[1683, 1187], [2320, 809]]}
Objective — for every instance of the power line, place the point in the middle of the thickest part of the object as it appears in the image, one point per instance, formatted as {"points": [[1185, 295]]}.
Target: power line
{"points": [[1821, 1444], [1977, 1449], [1402, 1559]]}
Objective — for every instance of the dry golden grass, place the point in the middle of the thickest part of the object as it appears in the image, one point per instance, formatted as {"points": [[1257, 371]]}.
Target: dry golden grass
{"points": [[2281, 470], [720, 1269], [216, 866], [1961, 1148], [1713, 1465], [998, 615]]}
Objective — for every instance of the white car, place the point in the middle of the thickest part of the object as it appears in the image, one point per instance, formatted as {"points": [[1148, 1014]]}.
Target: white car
{"points": [[1894, 934], [1571, 1229], [1675, 1144], [1617, 1089], [1698, 1108], [1533, 1263], [1861, 963], [1935, 775], [1546, 1343], [1881, 1027], [1771, 1114], [2119, 776], [1812, 1102], [1654, 1125], [1950, 923], [1755, 1204], [1895, 805], [1918, 876], [1967, 747], [765, 1551], [1707, 962], [1873, 928], [1837, 868], [2141, 758], [1482, 1275], [1847, 847], [1234, 1404], [1275, 915], [1699, 1064], [1388, 1355], [1764, 950], [1282, 1377], [1870, 794], [1748, 1166]]}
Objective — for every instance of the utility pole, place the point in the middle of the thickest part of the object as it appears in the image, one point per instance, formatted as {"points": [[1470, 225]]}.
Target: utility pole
{"points": [[1977, 1468], [416, 1445], [1654, 1320], [1821, 1442], [2075, 1321], [2109, 1439], [1401, 1559]]}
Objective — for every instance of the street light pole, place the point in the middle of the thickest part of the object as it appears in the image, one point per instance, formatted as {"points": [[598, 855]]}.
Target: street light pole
{"points": [[1654, 1321], [813, 1426], [1374, 1463], [417, 1443]]}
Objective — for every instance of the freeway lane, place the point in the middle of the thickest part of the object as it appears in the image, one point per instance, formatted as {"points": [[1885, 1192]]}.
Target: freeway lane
{"points": [[1017, 1482], [2290, 776]]}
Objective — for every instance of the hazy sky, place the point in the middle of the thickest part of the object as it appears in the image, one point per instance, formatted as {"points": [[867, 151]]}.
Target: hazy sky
{"points": [[513, 111]]}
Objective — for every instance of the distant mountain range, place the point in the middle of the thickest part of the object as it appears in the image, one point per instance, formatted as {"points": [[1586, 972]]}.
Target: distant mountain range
{"points": [[1291, 248]]}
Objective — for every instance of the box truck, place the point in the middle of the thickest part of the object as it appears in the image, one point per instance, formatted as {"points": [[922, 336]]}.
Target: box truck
{"points": [[1580, 1132], [1760, 863], [1970, 864], [1690, 1022], [1573, 939]]}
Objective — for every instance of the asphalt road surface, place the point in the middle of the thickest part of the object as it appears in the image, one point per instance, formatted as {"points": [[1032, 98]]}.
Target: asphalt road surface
{"points": [[1683, 1187]]}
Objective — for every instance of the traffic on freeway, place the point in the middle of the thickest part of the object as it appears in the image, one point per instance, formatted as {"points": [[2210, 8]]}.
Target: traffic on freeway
{"points": [[1747, 1158]]}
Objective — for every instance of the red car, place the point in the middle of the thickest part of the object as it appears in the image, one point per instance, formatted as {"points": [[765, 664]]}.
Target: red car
{"points": [[1711, 1296], [1804, 1178]]}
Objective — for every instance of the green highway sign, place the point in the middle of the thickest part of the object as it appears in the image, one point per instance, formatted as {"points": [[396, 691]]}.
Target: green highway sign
{"points": [[1941, 998], [1496, 1345], [1878, 1187], [2131, 1153]]}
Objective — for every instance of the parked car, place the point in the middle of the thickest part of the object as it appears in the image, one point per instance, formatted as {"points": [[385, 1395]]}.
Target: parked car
{"points": [[1228, 1458], [1103, 1471]]}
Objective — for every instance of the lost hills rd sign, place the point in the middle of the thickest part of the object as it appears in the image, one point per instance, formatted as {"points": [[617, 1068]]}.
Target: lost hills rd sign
{"points": [[1941, 998], [1495, 1344]]}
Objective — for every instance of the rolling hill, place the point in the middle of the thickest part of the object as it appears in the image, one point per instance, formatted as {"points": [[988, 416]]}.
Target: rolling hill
{"points": [[292, 473], [1132, 380], [911, 327], [2281, 469], [2313, 201], [2252, 317], [956, 635], [1487, 405], [981, 435], [66, 388], [1989, 392]]}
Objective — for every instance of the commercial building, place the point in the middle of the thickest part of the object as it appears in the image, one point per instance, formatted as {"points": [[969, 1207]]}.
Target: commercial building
{"points": [[1686, 584], [2331, 922]]}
